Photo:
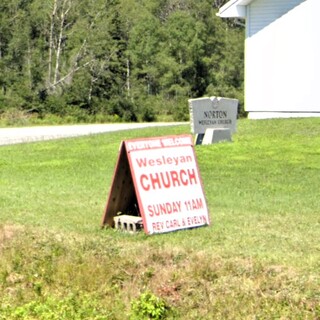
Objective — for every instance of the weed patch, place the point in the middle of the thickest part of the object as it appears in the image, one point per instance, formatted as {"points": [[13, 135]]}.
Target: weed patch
{"points": [[149, 306]]}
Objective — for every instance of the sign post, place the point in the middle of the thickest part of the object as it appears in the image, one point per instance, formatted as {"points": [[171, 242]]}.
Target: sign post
{"points": [[165, 181]]}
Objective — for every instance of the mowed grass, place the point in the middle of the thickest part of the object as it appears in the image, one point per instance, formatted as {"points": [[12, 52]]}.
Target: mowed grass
{"points": [[259, 258]]}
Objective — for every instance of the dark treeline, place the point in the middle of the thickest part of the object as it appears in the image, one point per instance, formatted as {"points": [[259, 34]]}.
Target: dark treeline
{"points": [[125, 59]]}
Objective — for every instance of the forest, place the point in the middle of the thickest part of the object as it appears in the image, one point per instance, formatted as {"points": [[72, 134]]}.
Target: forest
{"points": [[116, 60]]}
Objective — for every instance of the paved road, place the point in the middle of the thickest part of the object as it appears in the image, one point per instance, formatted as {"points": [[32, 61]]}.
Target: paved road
{"points": [[30, 134]]}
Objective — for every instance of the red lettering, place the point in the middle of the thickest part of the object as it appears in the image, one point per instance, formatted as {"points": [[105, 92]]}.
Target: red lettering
{"points": [[162, 209], [175, 178], [166, 183], [192, 176], [155, 181], [158, 226], [143, 178], [142, 162], [151, 212], [168, 179], [183, 178]]}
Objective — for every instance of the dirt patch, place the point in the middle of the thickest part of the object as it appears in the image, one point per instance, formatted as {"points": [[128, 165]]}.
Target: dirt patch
{"points": [[7, 232]]}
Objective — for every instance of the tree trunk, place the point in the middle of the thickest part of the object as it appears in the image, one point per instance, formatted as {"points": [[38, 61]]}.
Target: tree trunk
{"points": [[58, 52], [29, 59], [128, 78], [51, 42], [0, 48]]}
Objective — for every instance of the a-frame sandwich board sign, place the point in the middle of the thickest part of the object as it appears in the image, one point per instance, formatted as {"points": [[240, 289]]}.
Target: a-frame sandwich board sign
{"points": [[158, 178]]}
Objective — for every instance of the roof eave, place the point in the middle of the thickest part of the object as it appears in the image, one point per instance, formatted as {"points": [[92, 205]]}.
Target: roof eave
{"points": [[234, 9]]}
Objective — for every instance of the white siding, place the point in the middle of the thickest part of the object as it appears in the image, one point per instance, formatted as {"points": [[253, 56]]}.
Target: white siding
{"points": [[282, 66], [261, 13]]}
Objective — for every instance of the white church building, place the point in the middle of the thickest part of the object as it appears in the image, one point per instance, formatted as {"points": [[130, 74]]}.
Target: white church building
{"points": [[282, 56]]}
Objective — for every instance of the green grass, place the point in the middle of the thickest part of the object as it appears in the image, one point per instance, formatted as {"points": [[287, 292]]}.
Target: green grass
{"points": [[259, 259]]}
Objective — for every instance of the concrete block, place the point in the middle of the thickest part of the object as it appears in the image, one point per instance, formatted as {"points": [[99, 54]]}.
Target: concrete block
{"points": [[128, 223]]}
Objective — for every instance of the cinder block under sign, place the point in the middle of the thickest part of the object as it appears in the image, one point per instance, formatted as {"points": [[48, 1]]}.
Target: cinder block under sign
{"points": [[216, 135], [128, 223]]}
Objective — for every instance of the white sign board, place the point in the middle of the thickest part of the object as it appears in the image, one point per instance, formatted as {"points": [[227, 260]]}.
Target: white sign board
{"points": [[167, 182], [213, 112]]}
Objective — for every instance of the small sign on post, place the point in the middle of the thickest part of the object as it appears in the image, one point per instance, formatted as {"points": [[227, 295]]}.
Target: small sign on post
{"points": [[159, 180], [213, 113]]}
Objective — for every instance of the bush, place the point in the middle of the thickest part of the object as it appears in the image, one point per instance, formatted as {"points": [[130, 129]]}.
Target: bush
{"points": [[123, 108], [148, 306], [15, 117], [74, 306]]}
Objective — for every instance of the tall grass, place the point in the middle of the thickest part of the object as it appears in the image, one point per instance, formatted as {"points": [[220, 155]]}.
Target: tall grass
{"points": [[258, 260]]}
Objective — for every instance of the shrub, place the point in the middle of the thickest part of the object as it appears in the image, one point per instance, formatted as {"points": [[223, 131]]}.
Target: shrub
{"points": [[148, 306], [123, 108], [75, 306]]}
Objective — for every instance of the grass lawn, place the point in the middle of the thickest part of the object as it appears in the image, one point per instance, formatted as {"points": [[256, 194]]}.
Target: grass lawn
{"points": [[259, 259]]}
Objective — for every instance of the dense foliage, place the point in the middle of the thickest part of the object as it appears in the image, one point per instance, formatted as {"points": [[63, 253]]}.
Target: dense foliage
{"points": [[129, 59]]}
